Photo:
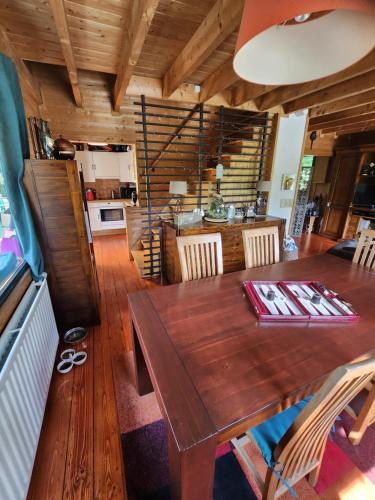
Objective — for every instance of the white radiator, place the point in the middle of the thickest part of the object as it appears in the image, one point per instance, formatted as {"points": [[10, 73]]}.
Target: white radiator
{"points": [[27, 353]]}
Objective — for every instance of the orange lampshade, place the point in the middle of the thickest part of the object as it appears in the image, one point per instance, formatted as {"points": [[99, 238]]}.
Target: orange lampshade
{"points": [[279, 45]]}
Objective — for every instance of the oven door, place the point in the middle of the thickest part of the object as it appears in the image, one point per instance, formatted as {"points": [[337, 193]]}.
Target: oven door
{"points": [[112, 217]]}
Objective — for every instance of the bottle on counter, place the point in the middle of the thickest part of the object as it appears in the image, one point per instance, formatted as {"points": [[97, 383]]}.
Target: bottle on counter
{"points": [[89, 195]]}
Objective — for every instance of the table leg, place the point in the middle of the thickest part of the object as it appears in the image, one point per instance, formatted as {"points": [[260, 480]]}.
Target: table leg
{"points": [[142, 378], [192, 471]]}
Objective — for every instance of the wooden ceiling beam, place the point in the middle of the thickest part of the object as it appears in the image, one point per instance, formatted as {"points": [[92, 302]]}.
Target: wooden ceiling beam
{"points": [[247, 91], [348, 88], [220, 22], [354, 131], [344, 121], [359, 127], [24, 74], [286, 93], [343, 104], [320, 121], [139, 22], [61, 23], [218, 81]]}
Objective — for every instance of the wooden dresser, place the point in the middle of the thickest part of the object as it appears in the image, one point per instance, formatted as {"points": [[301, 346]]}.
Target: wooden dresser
{"points": [[231, 234], [54, 190]]}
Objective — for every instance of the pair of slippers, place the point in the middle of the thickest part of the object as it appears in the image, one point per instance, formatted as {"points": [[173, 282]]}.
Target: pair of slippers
{"points": [[69, 358]]}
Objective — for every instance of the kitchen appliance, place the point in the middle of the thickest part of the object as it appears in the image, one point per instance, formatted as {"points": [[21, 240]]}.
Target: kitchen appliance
{"points": [[127, 191], [112, 216]]}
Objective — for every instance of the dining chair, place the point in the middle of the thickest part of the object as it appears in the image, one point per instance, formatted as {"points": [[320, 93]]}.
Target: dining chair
{"points": [[201, 255], [365, 252], [261, 246], [364, 417], [293, 441]]}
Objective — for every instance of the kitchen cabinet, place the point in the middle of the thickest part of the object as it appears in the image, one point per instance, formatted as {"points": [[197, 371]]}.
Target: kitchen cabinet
{"points": [[84, 159], [106, 165], [127, 167]]}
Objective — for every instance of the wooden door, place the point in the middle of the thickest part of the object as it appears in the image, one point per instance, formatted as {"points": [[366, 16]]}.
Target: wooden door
{"points": [[341, 194]]}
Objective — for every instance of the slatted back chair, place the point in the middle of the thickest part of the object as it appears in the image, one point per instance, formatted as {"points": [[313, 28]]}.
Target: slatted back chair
{"points": [[365, 252], [261, 246], [201, 255], [299, 450], [365, 417]]}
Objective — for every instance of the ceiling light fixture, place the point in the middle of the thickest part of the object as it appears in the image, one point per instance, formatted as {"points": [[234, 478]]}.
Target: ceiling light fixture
{"points": [[295, 41]]}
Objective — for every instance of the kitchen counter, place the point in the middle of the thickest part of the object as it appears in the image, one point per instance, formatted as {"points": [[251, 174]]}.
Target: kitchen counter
{"points": [[126, 201]]}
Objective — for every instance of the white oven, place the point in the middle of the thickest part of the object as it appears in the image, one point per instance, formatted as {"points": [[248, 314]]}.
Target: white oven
{"points": [[112, 216]]}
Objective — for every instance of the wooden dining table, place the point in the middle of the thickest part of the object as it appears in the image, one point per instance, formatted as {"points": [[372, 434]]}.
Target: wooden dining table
{"points": [[217, 371]]}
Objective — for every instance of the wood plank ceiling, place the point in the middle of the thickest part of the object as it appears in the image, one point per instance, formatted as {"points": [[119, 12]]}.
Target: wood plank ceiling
{"points": [[164, 47]]}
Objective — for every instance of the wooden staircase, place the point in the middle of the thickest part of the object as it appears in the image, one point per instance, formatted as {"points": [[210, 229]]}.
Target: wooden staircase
{"points": [[142, 256]]}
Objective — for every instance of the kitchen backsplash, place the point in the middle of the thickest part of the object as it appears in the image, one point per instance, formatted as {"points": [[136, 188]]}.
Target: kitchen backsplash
{"points": [[104, 187]]}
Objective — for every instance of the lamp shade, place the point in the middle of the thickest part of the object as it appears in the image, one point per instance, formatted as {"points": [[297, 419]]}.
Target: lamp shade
{"points": [[293, 41], [264, 186], [177, 187]]}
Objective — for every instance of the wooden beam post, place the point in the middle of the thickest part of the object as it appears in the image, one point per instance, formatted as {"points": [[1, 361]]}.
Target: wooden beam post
{"points": [[343, 104], [247, 91], [347, 88], [59, 15], [287, 93], [354, 127], [220, 22], [218, 81], [23, 72], [139, 22], [320, 122], [343, 122]]}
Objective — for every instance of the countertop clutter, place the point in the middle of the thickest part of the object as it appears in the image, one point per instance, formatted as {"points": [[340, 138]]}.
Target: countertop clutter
{"points": [[127, 202], [231, 235]]}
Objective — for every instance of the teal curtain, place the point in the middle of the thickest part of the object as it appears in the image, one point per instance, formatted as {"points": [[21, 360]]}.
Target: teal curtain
{"points": [[14, 148]]}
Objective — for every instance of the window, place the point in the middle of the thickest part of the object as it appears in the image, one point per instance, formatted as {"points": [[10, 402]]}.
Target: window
{"points": [[11, 260], [306, 172]]}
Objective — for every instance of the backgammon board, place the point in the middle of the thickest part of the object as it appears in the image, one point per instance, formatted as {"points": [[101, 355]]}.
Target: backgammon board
{"points": [[297, 301]]}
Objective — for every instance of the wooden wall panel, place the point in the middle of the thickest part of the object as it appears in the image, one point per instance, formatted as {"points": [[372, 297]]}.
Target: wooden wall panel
{"points": [[322, 146], [96, 121]]}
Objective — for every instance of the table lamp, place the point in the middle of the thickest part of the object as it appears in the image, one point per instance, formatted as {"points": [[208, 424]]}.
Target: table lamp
{"points": [[262, 188], [178, 189]]}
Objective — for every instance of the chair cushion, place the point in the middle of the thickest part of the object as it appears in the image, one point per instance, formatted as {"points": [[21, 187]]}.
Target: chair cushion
{"points": [[269, 433]]}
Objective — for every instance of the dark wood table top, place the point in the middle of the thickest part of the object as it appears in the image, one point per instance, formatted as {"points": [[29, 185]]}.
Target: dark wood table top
{"points": [[215, 368]]}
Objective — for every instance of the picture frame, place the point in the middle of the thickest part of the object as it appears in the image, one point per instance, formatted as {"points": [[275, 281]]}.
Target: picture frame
{"points": [[288, 182]]}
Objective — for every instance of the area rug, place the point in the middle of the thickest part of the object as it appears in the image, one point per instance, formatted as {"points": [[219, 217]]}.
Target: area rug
{"points": [[348, 472]]}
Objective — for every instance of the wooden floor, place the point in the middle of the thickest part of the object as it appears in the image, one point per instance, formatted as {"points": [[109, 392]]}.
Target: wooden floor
{"points": [[79, 453]]}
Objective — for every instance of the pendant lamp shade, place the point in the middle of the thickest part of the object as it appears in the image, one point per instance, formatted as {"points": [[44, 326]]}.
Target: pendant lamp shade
{"points": [[293, 41]]}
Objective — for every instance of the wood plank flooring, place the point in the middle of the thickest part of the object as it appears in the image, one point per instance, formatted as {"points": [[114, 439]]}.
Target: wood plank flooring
{"points": [[79, 453]]}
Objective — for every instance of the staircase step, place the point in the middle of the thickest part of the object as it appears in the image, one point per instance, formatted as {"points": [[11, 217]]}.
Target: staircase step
{"points": [[142, 266]]}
